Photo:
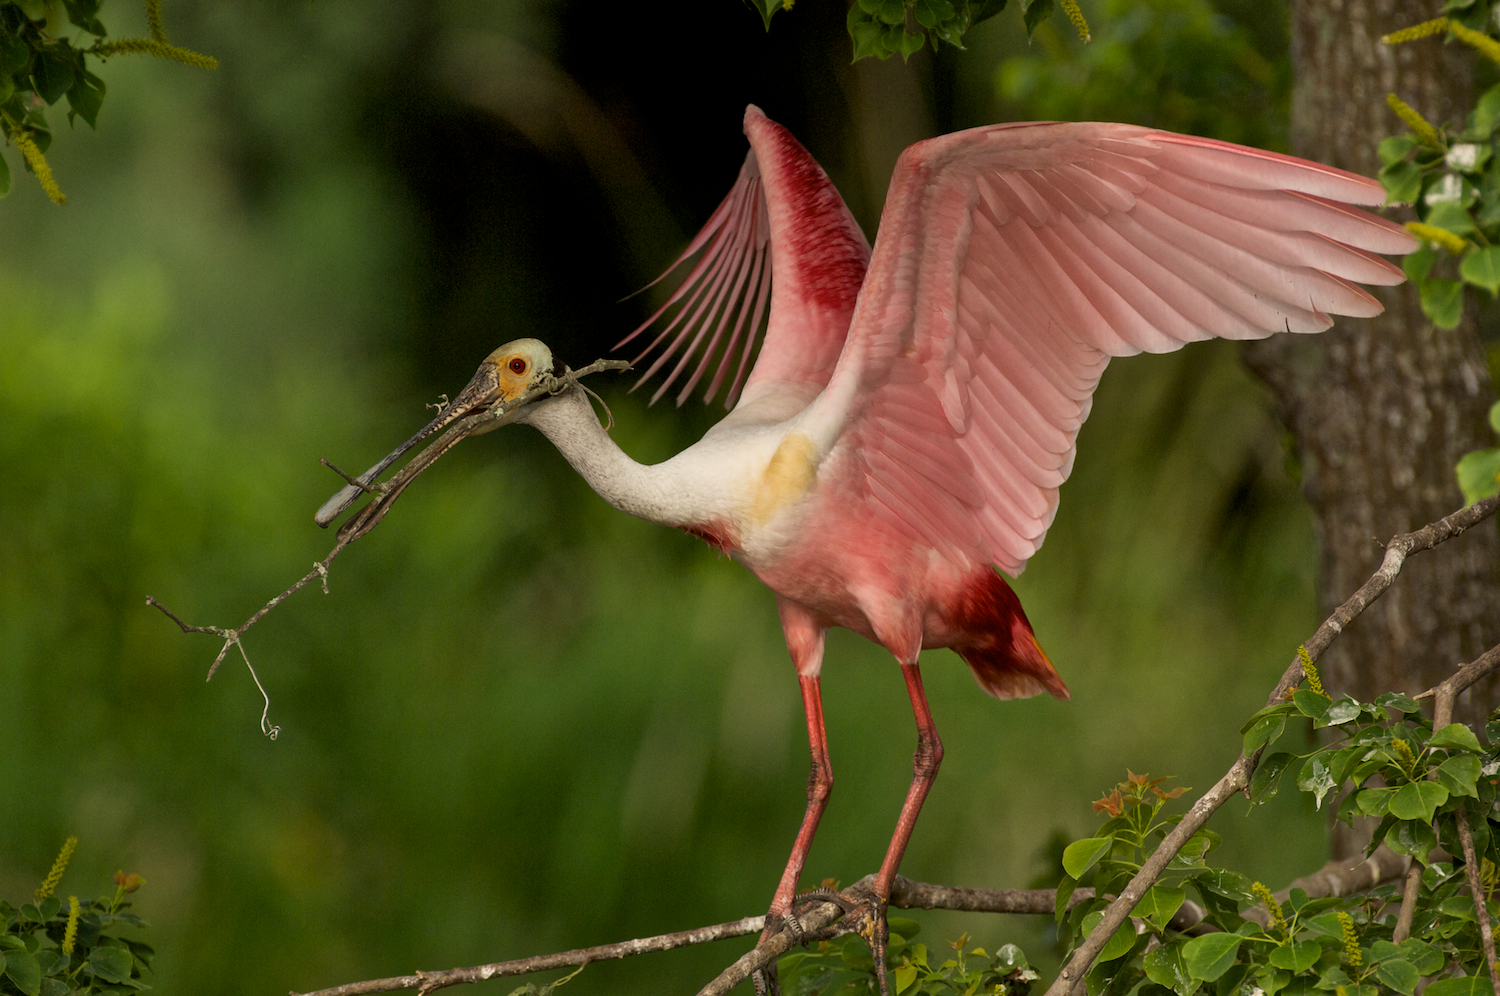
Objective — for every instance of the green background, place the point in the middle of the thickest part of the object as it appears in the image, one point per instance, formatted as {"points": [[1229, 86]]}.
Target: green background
{"points": [[520, 721]]}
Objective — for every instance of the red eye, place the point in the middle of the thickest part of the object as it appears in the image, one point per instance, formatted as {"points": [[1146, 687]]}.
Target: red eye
{"points": [[517, 366]]}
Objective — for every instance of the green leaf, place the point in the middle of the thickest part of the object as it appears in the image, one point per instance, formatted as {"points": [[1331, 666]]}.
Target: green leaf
{"points": [[14, 54], [1265, 730], [1486, 111], [1119, 943], [4, 177], [1343, 710], [1399, 975], [1456, 735], [1413, 837], [1417, 801], [1417, 265], [1316, 779], [1209, 956], [21, 968], [110, 964], [1159, 905], [1398, 701], [85, 98], [867, 33], [53, 77], [1268, 776], [1064, 893], [1479, 474], [1482, 268], [767, 10], [1164, 967], [1450, 215], [1426, 958], [1443, 301], [1402, 181], [1081, 855], [1374, 801], [1460, 773], [1310, 703], [905, 977], [1036, 11], [1395, 148], [984, 10], [1462, 986], [1297, 957], [1495, 416]]}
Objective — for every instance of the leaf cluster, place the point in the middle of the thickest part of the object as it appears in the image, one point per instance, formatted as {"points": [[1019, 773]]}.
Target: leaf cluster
{"points": [[1394, 767], [845, 966], [44, 47], [1451, 178], [56, 947], [883, 28], [39, 65]]}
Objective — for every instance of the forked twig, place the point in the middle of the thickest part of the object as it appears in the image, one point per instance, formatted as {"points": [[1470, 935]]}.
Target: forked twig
{"points": [[370, 515]]}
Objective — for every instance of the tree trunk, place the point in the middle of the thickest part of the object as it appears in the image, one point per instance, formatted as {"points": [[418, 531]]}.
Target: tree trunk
{"points": [[1382, 409]]}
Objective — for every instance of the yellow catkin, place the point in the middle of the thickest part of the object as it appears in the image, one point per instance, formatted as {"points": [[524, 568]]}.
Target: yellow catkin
{"points": [[1070, 8], [1424, 30], [1403, 751], [1426, 133], [1455, 244], [1476, 39], [150, 46], [63, 857], [153, 20], [1352, 956], [1310, 670], [70, 935], [1272, 906]]}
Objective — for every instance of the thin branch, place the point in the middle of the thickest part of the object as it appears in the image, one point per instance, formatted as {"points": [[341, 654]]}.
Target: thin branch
{"points": [[1396, 552], [431, 981], [905, 894], [1408, 914], [1476, 892], [1238, 776], [368, 517]]}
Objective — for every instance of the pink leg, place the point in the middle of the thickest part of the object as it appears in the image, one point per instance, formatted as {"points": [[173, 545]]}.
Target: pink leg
{"points": [[925, 768], [819, 785]]}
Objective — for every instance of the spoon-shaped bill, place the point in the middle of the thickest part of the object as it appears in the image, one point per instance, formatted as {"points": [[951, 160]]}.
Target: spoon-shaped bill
{"points": [[479, 392]]}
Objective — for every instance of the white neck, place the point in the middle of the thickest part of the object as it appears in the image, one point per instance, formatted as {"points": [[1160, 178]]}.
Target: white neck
{"points": [[568, 420]]}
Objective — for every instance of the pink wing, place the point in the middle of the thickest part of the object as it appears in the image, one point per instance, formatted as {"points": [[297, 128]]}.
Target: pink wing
{"points": [[782, 207], [1014, 261]]}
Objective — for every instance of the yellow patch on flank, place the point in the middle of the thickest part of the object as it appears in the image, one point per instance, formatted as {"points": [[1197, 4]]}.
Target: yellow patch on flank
{"points": [[792, 470]]}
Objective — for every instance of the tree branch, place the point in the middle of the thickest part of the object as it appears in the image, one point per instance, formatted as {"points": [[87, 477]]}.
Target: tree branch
{"points": [[369, 517], [1237, 778]]}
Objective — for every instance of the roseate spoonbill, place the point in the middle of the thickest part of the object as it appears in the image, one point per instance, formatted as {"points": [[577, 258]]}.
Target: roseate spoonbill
{"points": [[913, 411]]}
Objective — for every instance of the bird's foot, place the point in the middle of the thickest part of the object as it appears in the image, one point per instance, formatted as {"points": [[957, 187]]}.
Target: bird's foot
{"points": [[869, 920], [793, 922]]}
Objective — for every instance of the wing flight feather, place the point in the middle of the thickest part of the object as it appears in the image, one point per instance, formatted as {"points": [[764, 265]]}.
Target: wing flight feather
{"points": [[1014, 261]]}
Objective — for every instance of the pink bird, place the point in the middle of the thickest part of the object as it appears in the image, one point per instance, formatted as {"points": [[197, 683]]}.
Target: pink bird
{"points": [[913, 410]]}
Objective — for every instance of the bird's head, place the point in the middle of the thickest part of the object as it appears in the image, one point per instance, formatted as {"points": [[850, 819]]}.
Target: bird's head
{"points": [[505, 375]]}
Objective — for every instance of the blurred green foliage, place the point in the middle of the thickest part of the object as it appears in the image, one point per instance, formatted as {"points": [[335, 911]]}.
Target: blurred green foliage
{"points": [[520, 721], [1181, 65]]}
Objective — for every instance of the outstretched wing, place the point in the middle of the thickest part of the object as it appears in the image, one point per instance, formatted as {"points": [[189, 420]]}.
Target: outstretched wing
{"points": [[1013, 261], [783, 208]]}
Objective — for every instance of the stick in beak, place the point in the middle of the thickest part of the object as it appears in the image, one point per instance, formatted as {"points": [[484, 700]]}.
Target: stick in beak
{"points": [[506, 374]]}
